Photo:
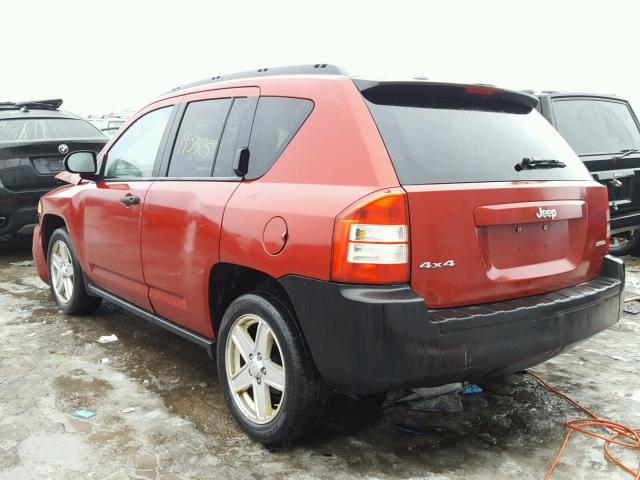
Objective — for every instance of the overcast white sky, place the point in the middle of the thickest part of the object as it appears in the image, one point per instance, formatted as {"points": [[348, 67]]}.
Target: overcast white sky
{"points": [[113, 55]]}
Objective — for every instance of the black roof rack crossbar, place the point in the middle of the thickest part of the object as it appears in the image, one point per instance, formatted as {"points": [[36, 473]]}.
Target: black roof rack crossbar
{"points": [[52, 104], [313, 69]]}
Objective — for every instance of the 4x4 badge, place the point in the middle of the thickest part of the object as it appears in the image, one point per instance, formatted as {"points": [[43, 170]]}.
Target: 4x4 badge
{"points": [[448, 263], [547, 213]]}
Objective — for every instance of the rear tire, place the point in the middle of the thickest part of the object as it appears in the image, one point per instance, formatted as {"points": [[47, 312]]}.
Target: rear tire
{"points": [[66, 277], [267, 375], [624, 244]]}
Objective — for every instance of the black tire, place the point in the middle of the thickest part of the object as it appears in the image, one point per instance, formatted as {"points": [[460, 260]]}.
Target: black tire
{"points": [[629, 246], [80, 302], [305, 391]]}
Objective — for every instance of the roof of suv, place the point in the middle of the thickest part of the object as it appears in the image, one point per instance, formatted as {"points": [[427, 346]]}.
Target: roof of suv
{"points": [[321, 69], [35, 108], [559, 94]]}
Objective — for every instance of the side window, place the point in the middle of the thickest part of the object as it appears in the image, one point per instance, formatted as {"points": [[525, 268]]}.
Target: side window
{"points": [[276, 122], [134, 153], [238, 123], [198, 138]]}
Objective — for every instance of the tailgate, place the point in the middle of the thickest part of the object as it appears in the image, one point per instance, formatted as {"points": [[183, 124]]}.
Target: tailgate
{"points": [[480, 243], [500, 206]]}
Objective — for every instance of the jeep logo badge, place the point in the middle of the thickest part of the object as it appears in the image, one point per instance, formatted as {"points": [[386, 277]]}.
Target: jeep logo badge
{"points": [[546, 213], [63, 148]]}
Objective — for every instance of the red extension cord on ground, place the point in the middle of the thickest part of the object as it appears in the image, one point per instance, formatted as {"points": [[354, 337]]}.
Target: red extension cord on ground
{"points": [[621, 435]]}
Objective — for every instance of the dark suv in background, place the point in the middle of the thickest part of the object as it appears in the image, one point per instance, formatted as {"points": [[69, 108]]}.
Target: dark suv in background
{"points": [[34, 139], [605, 133]]}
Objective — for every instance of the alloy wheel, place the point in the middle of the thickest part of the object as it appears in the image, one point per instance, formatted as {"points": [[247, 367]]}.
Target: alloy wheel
{"points": [[255, 369], [62, 275]]}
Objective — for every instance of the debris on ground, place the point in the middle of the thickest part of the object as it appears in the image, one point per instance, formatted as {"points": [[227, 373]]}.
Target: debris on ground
{"points": [[68, 332], [128, 410], [32, 334], [107, 339], [104, 360], [432, 392], [442, 404], [471, 389], [632, 307], [145, 383], [84, 413]]}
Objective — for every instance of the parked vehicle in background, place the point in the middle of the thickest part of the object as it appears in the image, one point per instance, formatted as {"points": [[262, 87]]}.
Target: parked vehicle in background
{"points": [[328, 232], [108, 124], [34, 139], [605, 133]]}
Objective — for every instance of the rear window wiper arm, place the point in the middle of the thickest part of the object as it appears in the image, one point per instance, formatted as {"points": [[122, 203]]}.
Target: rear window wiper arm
{"points": [[531, 163], [625, 152]]}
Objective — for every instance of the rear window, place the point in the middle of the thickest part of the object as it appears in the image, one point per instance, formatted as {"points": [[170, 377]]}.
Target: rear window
{"points": [[42, 129], [437, 137], [276, 122], [596, 126]]}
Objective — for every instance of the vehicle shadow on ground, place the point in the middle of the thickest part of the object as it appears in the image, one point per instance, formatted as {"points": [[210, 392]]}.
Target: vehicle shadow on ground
{"points": [[511, 411], [20, 249]]}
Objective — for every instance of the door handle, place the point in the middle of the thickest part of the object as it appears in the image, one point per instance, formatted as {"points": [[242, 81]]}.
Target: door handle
{"points": [[130, 200]]}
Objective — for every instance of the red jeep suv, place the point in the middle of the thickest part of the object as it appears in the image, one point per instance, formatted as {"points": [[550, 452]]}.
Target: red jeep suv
{"points": [[325, 232]]}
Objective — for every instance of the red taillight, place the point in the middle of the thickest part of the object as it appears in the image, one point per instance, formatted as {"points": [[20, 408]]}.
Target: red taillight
{"points": [[371, 240]]}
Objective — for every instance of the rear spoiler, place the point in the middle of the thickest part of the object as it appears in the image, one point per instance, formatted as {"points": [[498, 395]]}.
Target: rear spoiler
{"points": [[398, 91], [52, 104]]}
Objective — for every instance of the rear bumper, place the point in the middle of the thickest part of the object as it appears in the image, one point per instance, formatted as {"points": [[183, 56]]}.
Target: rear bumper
{"points": [[19, 210], [367, 339], [624, 221]]}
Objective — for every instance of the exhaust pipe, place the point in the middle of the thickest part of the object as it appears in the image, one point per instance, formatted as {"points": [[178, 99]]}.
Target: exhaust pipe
{"points": [[3, 220]]}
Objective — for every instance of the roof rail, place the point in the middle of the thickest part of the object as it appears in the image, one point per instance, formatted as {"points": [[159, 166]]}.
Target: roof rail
{"points": [[313, 69], [52, 104]]}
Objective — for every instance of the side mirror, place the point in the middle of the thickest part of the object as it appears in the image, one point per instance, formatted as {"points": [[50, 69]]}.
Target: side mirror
{"points": [[82, 162]]}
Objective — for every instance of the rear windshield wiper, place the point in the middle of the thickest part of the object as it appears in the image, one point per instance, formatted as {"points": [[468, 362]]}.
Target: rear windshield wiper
{"points": [[625, 152], [531, 163]]}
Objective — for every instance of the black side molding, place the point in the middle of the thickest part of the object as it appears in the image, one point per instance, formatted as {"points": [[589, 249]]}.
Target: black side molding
{"points": [[194, 337]]}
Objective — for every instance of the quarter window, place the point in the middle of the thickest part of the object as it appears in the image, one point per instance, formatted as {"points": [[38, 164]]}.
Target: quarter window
{"points": [[198, 138], [134, 154], [276, 122]]}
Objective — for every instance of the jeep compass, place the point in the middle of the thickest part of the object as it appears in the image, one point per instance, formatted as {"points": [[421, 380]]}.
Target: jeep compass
{"points": [[314, 231]]}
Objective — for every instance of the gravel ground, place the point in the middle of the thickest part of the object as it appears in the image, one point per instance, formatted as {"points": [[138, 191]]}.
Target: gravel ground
{"points": [[51, 365]]}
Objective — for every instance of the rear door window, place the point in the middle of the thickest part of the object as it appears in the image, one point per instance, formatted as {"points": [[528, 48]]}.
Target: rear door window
{"points": [[235, 136], [443, 137], [594, 126], [198, 138], [276, 121]]}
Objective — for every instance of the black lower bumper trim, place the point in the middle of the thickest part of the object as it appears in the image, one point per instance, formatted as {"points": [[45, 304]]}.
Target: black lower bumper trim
{"points": [[367, 339], [624, 220]]}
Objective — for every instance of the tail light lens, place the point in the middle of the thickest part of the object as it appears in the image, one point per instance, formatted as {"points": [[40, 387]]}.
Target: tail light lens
{"points": [[371, 241]]}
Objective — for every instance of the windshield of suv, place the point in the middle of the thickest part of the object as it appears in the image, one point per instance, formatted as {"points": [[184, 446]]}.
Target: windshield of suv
{"points": [[594, 126], [441, 139], [42, 129]]}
